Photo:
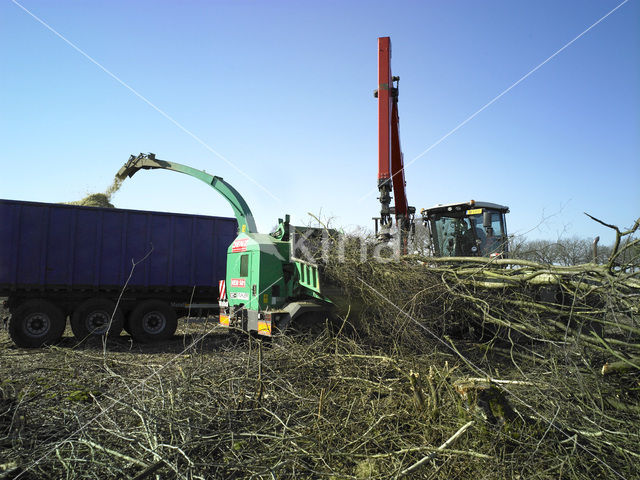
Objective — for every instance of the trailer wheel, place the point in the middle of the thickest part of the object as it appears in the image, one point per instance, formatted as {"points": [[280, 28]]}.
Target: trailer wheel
{"points": [[36, 323], [93, 318], [152, 321]]}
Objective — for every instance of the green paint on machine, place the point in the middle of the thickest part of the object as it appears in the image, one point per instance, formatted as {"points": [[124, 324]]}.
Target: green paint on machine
{"points": [[266, 285]]}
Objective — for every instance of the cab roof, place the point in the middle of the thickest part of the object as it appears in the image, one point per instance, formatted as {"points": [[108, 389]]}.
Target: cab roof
{"points": [[449, 207]]}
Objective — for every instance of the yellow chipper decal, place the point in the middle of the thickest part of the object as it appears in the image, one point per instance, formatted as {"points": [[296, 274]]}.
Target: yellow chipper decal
{"points": [[475, 211]]}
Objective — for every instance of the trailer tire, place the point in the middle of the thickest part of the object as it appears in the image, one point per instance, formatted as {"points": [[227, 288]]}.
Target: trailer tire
{"points": [[152, 321], [36, 323], [92, 317]]}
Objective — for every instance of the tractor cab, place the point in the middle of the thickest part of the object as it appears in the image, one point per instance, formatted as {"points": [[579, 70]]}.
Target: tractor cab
{"points": [[470, 229]]}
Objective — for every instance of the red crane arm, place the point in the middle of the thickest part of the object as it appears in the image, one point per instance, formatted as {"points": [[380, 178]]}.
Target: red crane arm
{"points": [[390, 161], [397, 164], [384, 108]]}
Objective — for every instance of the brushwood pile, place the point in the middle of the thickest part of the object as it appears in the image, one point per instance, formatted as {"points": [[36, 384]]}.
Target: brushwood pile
{"points": [[433, 368]]}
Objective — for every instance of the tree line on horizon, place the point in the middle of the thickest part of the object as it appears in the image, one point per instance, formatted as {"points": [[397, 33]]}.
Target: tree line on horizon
{"points": [[570, 251]]}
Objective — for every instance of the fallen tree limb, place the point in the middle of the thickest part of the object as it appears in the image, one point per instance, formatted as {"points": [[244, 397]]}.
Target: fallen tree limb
{"points": [[425, 459], [150, 470], [114, 453], [621, 366], [404, 451]]}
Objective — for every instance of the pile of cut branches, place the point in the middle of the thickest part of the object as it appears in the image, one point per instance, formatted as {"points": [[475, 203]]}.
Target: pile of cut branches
{"points": [[328, 407], [591, 306]]}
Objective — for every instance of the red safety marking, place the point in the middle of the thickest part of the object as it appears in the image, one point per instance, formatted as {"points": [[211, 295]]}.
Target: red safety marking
{"points": [[222, 289], [239, 245], [238, 282]]}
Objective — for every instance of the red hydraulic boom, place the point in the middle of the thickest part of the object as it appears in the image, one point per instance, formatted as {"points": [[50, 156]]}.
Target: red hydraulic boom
{"points": [[390, 160]]}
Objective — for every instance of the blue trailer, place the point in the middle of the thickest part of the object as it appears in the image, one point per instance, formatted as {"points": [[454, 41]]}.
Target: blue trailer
{"points": [[64, 261]]}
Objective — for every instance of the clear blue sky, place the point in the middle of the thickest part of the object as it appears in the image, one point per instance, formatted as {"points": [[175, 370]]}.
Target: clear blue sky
{"points": [[283, 90]]}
